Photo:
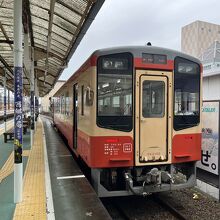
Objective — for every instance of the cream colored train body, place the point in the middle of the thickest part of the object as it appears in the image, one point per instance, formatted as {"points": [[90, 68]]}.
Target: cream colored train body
{"points": [[132, 114]]}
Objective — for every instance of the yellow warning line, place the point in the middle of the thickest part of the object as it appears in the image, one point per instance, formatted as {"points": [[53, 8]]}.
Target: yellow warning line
{"points": [[9, 125], [34, 195], [8, 167]]}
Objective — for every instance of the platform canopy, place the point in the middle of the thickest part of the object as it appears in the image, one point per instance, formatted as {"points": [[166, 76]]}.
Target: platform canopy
{"points": [[55, 29]]}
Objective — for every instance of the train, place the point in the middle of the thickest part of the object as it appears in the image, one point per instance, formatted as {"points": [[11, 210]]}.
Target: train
{"points": [[132, 115]]}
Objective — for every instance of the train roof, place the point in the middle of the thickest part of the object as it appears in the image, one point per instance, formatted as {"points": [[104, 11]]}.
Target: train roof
{"points": [[137, 51]]}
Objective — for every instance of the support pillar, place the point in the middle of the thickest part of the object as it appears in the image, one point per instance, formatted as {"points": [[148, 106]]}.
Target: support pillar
{"points": [[36, 108], [5, 112], [18, 87], [9, 101], [32, 99], [36, 103]]}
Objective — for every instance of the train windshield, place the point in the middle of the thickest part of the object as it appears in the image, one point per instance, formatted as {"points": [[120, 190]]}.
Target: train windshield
{"points": [[187, 94], [114, 92]]}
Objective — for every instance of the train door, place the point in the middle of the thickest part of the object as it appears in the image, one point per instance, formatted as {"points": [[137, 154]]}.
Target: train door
{"points": [[152, 115], [75, 114]]}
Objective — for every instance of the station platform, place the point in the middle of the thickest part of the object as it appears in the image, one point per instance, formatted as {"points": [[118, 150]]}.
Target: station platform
{"points": [[53, 185]]}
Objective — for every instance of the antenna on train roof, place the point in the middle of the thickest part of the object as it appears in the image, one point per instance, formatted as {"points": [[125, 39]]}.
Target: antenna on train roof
{"points": [[148, 44]]}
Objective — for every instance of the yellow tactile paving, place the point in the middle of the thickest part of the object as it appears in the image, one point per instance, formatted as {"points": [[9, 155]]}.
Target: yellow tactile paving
{"points": [[8, 167], [9, 125], [34, 195]]}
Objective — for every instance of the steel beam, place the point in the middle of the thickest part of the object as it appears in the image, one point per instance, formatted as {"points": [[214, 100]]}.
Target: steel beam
{"points": [[51, 14], [5, 34]]}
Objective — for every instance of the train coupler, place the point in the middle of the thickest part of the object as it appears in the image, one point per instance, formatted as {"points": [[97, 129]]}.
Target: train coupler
{"points": [[157, 177], [153, 178]]}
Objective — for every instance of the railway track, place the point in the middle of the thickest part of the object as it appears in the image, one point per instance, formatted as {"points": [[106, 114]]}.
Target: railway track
{"points": [[176, 209], [114, 209], [138, 208]]}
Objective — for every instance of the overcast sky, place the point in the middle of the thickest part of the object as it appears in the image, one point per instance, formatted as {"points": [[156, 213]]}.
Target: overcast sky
{"points": [[135, 22]]}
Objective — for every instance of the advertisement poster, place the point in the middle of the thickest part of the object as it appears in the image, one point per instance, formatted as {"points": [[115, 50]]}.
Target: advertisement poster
{"points": [[210, 136]]}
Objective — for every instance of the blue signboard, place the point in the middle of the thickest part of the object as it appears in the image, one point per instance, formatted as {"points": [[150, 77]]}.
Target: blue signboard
{"points": [[5, 108], [32, 109], [36, 108], [18, 114]]}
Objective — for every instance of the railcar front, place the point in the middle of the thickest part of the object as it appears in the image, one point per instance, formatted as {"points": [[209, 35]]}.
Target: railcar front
{"points": [[147, 133]]}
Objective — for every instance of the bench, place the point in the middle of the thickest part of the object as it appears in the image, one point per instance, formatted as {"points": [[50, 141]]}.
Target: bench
{"points": [[25, 127], [9, 135]]}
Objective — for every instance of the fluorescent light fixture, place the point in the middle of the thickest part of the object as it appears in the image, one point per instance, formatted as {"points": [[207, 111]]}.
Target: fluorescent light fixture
{"points": [[105, 85]]}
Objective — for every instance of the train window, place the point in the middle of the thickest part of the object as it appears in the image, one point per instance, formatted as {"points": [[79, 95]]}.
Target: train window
{"points": [[56, 105], [114, 91], [67, 103], [62, 104], [89, 97], [187, 94], [82, 100], [115, 63], [153, 99]]}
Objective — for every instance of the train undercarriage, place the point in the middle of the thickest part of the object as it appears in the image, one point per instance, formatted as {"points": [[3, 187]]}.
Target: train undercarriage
{"points": [[143, 180]]}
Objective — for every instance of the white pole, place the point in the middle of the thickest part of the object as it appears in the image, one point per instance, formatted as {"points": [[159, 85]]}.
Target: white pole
{"points": [[32, 97], [18, 87], [5, 113], [35, 97], [29, 64]]}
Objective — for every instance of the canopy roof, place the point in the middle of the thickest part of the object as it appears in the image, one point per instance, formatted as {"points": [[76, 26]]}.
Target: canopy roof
{"points": [[55, 29]]}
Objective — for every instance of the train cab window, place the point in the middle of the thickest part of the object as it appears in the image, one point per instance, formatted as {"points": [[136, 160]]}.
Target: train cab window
{"points": [[153, 99], [114, 91], [187, 94]]}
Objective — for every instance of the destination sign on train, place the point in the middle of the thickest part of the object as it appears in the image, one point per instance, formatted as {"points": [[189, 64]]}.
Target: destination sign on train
{"points": [[154, 58]]}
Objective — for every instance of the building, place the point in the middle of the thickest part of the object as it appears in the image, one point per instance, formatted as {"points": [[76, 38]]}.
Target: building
{"points": [[198, 36], [211, 72], [45, 102]]}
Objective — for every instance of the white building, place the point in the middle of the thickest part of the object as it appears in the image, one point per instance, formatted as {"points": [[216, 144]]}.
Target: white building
{"points": [[198, 36], [211, 72]]}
